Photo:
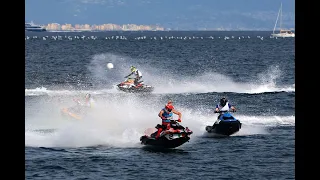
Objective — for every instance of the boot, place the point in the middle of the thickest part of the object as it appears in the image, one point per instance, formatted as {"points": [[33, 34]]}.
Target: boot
{"points": [[158, 133]]}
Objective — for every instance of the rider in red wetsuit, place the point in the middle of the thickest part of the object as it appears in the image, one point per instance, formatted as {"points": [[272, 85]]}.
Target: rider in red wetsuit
{"points": [[166, 115]]}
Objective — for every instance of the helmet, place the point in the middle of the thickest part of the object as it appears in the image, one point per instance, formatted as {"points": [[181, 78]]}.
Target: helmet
{"points": [[88, 96], [169, 107], [223, 101], [132, 68]]}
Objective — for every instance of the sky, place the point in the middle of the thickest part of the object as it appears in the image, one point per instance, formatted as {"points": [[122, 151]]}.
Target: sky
{"points": [[173, 14]]}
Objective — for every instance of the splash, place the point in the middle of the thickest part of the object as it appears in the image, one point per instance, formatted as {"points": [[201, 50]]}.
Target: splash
{"points": [[169, 83], [107, 124], [267, 82], [42, 91], [172, 84], [104, 77], [118, 121]]}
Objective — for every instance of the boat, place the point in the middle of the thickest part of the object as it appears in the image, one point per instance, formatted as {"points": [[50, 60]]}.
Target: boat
{"points": [[129, 87], [282, 32], [168, 139], [33, 27], [225, 125]]}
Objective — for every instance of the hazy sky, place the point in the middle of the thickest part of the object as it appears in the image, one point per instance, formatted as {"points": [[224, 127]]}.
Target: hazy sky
{"points": [[181, 14]]}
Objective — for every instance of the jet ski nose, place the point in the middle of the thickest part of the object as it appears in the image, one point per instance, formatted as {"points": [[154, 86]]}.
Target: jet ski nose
{"points": [[188, 130]]}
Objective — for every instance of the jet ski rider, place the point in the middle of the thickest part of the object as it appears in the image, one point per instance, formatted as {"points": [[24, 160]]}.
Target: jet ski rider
{"points": [[166, 115], [82, 106], [137, 73], [87, 101], [224, 105]]}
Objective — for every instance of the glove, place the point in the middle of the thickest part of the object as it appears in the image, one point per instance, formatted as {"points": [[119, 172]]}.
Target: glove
{"points": [[179, 120], [163, 118]]}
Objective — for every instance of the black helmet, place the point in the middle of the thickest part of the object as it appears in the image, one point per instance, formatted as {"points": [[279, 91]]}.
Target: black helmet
{"points": [[223, 101]]}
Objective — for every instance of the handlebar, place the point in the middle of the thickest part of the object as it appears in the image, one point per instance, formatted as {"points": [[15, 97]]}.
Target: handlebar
{"points": [[223, 111], [175, 120]]}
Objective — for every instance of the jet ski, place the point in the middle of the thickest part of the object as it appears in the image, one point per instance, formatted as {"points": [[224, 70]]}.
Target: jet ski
{"points": [[225, 125], [171, 138], [77, 112], [128, 86]]}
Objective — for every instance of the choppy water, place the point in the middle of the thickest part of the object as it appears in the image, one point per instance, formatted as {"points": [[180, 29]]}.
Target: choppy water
{"points": [[194, 69]]}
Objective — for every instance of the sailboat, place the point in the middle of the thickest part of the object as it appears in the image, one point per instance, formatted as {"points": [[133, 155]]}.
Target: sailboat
{"points": [[283, 32]]}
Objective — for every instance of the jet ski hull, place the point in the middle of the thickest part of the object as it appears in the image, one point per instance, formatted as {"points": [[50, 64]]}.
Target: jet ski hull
{"points": [[226, 127], [142, 89], [129, 87], [163, 142], [65, 112], [176, 136]]}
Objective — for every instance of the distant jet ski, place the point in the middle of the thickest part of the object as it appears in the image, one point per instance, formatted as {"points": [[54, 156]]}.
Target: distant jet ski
{"points": [[172, 138], [128, 86], [225, 125]]}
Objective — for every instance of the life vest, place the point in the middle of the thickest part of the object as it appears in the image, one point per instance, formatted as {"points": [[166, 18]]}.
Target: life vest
{"points": [[138, 73], [224, 108], [88, 103], [167, 115]]}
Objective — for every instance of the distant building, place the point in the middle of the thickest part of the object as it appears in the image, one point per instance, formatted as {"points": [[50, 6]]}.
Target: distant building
{"points": [[103, 27]]}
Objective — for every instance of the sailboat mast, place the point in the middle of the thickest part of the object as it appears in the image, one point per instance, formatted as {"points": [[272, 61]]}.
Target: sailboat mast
{"points": [[281, 16], [275, 25]]}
